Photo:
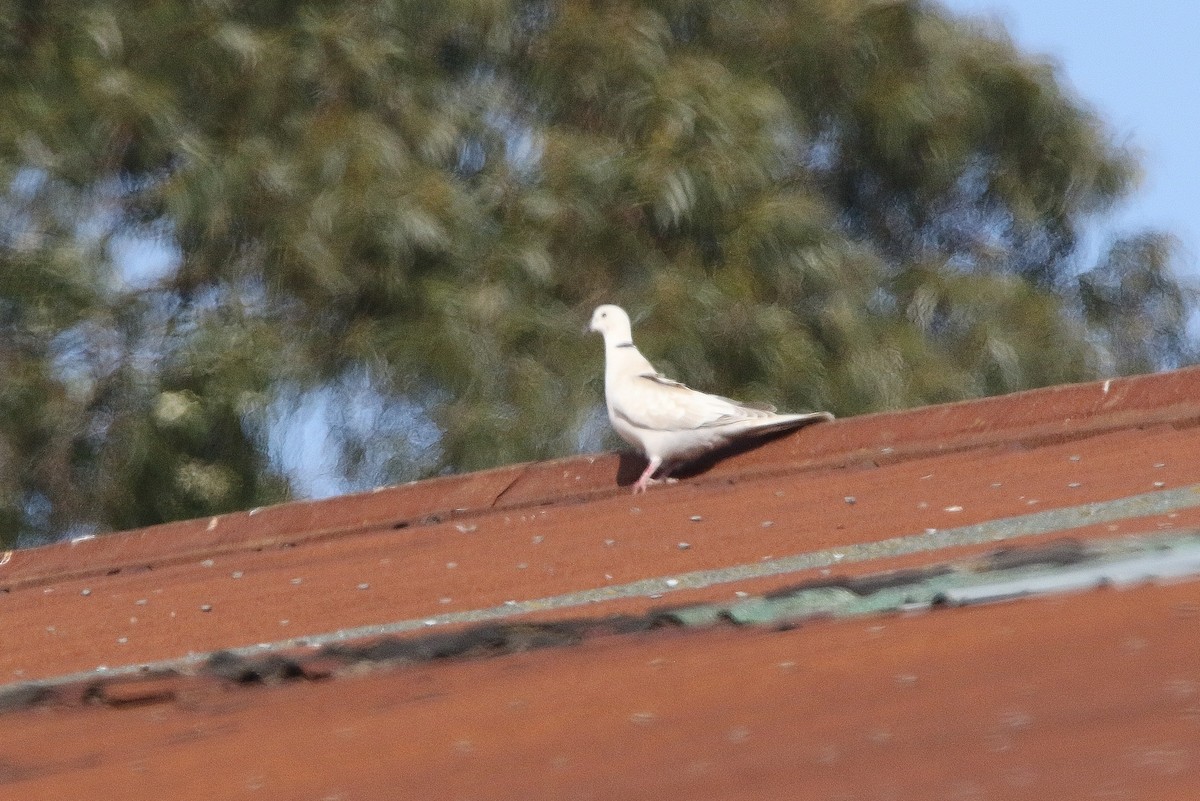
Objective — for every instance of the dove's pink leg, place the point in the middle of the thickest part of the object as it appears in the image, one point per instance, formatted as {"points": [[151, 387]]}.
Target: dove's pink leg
{"points": [[645, 480]]}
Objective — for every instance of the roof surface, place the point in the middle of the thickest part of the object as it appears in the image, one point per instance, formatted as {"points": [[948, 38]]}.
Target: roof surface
{"points": [[991, 599]]}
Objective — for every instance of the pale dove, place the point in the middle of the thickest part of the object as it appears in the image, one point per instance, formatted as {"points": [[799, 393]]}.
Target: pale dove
{"points": [[669, 422]]}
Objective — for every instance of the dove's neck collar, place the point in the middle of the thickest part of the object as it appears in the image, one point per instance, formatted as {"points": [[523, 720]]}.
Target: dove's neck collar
{"points": [[624, 345]]}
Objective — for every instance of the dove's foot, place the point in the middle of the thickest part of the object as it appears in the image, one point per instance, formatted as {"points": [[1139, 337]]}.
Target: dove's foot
{"points": [[647, 480], [643, 485]]}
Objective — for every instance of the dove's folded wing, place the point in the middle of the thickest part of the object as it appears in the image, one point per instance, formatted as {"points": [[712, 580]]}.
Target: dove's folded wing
{"points": [[753, 406], [653, 402]]}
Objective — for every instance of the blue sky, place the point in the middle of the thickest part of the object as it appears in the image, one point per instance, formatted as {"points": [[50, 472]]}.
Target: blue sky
{"points": [[1138, 66]]}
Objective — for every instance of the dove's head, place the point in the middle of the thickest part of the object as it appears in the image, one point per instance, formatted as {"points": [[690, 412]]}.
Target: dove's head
{"points": [[613, 323]]}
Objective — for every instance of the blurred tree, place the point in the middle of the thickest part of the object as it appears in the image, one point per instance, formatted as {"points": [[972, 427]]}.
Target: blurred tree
{"points": [[410, 208]]}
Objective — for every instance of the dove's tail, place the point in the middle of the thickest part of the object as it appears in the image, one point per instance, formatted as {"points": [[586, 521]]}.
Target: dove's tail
{"points": [[785, 422]]}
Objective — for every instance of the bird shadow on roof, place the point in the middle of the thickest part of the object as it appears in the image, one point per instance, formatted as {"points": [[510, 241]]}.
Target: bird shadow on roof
{"points": [[631, 465]]}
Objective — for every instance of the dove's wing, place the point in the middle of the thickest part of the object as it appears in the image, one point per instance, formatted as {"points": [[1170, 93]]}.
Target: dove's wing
{"points": [[654, 402], [752, 406]]}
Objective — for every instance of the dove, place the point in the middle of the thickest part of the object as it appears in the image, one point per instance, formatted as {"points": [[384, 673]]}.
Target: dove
{"points": [[667, 421]]}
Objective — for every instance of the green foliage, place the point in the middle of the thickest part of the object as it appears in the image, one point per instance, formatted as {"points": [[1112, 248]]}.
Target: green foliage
{"points": [[408, 209]]}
